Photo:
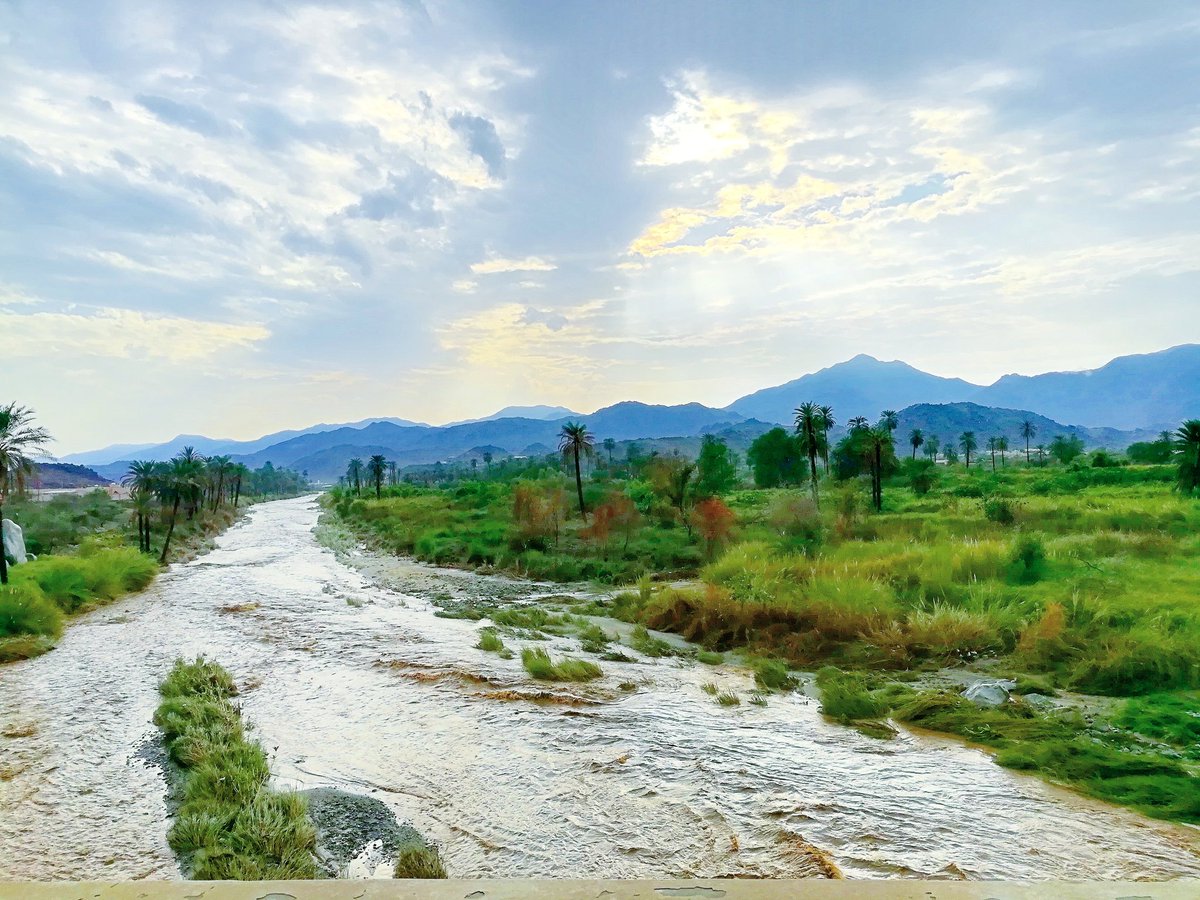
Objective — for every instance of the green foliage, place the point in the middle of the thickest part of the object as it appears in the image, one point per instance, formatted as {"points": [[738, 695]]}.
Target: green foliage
{"points": [[537, 663], [229, 825], [921, 474], [775, 459], [419, 862], [710, 657], [1000, 510], [29, 622], [646, 644], [1173, 718], [1066, 449], [489, 640], [773, 674], [728, 698], [716, 468], [846, 696]]}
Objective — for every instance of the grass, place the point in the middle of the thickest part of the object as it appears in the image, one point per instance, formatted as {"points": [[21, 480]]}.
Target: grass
{"points": [[490, 640], [710, 657], [229, 824], [846, 696], [1171, 718], [537, 663], [773, 675], [419, 862], [646, 644], [728, 698]]}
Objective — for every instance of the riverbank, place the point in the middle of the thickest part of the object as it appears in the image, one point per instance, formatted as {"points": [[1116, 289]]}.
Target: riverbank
{"points": [[640, 773], [95, 568]]}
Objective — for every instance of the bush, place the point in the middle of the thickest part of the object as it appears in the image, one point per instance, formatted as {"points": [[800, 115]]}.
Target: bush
{"points": [[419, 862], [1000, 511], [24, 609], [773, 674]]}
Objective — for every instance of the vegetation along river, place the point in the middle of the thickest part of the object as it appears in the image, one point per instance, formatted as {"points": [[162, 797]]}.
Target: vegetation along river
{"points": [[358, 686]]}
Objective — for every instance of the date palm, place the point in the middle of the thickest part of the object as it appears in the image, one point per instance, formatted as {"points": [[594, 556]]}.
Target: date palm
{"points": [[20, 441], [377, 467], [889, 420], [575, 441], [967, 441], [993, 445], [1028, 432], [1187, 451], [354, 474], [916, 438], [827, 422], [858, 423], [141, 479], [176, 483], [808, 428], [879, 442]]}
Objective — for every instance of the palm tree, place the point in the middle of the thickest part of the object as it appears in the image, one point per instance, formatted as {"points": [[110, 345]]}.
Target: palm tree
{"points": [[354, 474], [610, 444], [1187, 449], [221, 467], [1041, 449], [827, 422], [20, 440], [191, 475], [916, 438], [858, 423], [574, 440], [142, 477], [487, 461], [1002, 446], [239, 472], [889, 420], [808, 427], [175, 482], [967, 441], [879, 439], [993, 444], [377, 470], [933, 443], [393, 478], [1029, 432]]}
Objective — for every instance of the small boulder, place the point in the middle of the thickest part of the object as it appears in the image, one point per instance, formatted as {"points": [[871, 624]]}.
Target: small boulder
{"points": [[987, 693], [13, 541]]}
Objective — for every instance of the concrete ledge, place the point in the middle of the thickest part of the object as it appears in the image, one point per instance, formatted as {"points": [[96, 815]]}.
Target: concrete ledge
{"points": [[544, 889]]}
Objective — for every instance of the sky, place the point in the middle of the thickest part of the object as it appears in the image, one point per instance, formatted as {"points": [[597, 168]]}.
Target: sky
{"points": [[231, 218]]}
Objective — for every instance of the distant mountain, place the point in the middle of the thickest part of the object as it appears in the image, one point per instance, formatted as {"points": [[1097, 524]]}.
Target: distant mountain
{"points": [[65, 475], [1149, 390], [544, 413], [206, 446], [862, 386], [948, 420]]}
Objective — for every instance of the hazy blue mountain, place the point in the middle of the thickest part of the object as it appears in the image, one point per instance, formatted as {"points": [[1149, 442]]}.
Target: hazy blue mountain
{"points": [[545, 413], [206, 446], [862, 386], [1142, 391], [948, 420], [66, 475]]}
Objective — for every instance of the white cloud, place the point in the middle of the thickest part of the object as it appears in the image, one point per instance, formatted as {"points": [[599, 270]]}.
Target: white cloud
{"points": [[497, 265]]}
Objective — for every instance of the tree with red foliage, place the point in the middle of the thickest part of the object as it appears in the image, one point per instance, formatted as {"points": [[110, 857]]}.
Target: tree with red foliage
{"points": [[714, 520]]}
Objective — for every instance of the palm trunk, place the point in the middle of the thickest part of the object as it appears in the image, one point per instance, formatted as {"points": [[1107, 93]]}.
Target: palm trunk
{"points": [[170, 530], [579, 487], [3, 555], [237, 491], [1026, 451]]}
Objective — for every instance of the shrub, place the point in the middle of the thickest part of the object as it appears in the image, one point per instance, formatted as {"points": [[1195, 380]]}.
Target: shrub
{"points": [[1000, 511], [419, 862], [1028, 559], [24, 609]]}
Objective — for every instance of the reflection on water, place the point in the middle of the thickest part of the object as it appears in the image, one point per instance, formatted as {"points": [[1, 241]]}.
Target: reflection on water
{"points": [[363, 688]]}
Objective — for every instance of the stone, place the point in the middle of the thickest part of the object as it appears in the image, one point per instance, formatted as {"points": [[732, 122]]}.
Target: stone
{"points": [[14, 542], [987, 693]]}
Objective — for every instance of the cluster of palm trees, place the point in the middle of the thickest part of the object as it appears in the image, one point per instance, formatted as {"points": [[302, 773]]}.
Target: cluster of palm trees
{"points": [[189, 482], [20, 442], [375, 470]]}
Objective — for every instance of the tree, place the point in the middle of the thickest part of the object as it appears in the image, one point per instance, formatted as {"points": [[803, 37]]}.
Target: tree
{"points": [[889, 420], [354, 474], [394, 478], [377, 467], [1065, 449], [716, 468], [609, 446], [808, 429], [20, 441], [933, 443], [575, 441], [671, 478], [827, 422], [175, 483], [950, 452], [1187, 452], [993, 444], [142, 478], [916, 438], [487, 462], [617, 513], [858, 423], [220, 468], [240, 471], [714, 520], [191, 477], [775, 459], [880, 445], [1002, 446], [1028, 432], [967, 442], [1158, 451]]}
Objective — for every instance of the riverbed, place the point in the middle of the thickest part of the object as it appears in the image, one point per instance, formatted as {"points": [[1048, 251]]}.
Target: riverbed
{"points": [[352, 681]]}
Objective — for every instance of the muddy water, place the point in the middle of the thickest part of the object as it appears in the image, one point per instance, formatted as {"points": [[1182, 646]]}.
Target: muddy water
{"points": [[358, 686]]}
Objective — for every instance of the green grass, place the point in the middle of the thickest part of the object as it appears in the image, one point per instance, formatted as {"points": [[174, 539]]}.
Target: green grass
{"points": [[537, 663], [229, 824], [728, 698], [645, 643], [773, 675], [710, 658], [1172, 718], [490, 640], [847, 696], [419, 862]]}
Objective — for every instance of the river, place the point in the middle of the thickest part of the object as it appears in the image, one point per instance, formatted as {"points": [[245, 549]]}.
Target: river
{"points": [[359, 686]]}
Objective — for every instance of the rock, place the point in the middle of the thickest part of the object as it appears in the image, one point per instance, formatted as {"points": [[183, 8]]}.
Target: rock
{"points": [[1040, 701], [987, 693], [352, 828], [14, 542]]}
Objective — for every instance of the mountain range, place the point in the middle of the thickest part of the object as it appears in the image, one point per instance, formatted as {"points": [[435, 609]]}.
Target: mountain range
{"points": [[1131, 398]]}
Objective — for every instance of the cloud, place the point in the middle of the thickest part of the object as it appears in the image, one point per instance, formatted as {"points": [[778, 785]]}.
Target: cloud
{"points": [[185, 115], [498, 265], [482, 140], [121, 333]]}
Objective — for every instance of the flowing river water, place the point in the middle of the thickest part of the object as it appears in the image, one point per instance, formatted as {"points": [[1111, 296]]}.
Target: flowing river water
{"points": [[359, 686]]}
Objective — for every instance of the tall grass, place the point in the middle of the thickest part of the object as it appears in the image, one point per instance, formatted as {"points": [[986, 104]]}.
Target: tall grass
{"points": [[229, 824]]}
